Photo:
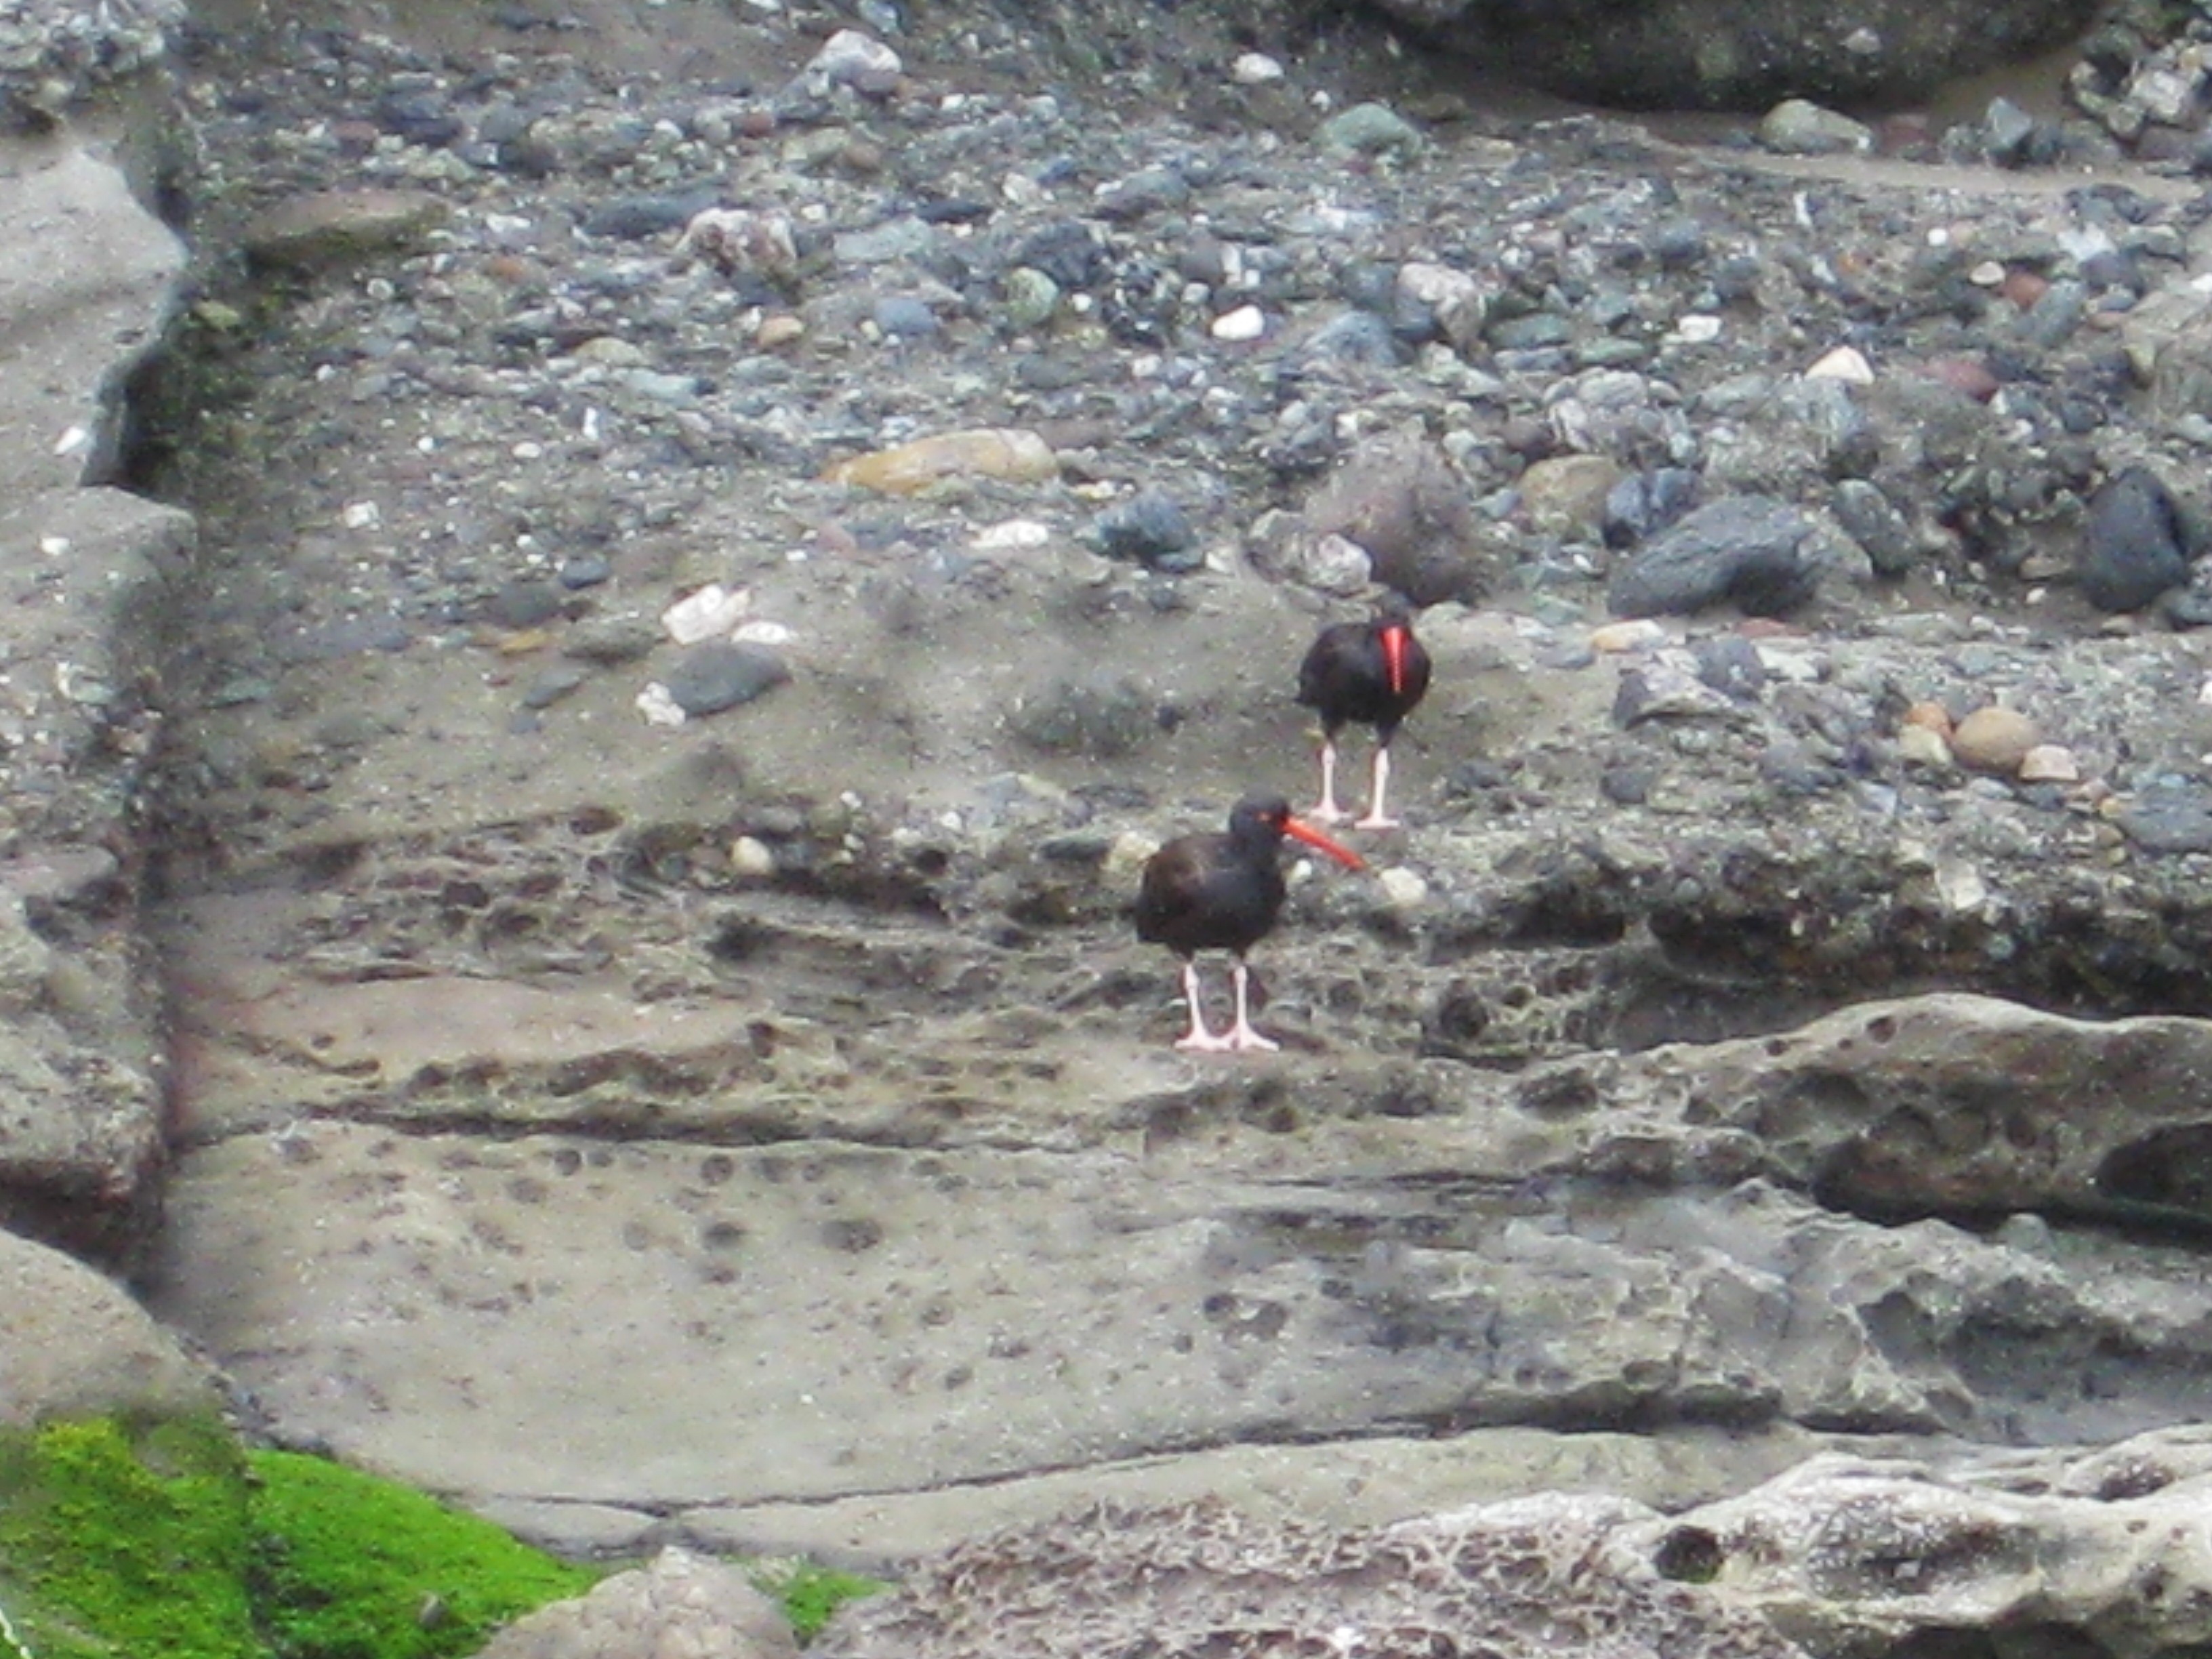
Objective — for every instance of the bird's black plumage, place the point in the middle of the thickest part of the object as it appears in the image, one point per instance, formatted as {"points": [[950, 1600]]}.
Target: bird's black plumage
{"points": [[1218, 891], [1348, 676], [1372, 672], [1222, 891]]}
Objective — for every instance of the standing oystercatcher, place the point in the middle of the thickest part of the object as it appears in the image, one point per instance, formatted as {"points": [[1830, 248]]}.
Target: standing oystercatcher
{"points": [[1223, 892], [1374, 673]]}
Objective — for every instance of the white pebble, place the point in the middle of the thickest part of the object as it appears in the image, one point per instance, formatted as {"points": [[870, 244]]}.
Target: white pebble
{"points": [[751, 858], [1245, 323], [1254, 69], [711, 612], [659, 705], [1845, 363], [1698, 328], [1404, 888], [1014, 535], [361, 515]]}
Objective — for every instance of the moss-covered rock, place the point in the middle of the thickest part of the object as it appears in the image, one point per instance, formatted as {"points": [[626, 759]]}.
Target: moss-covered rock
{"points": [[126, 1539], [163, 1539]]}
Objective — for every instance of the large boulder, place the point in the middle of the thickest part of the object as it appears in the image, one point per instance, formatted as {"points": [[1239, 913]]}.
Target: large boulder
{"points": [[79, 1346], [87, 280]]}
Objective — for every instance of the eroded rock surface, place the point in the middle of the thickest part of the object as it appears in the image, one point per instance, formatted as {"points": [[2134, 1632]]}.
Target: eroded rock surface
{"points": [[647, 801]]}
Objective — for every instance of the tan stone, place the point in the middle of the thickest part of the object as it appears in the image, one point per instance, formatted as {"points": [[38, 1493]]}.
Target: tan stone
{"points": [[1995, 739], [1565, 495], [2049, 763]]}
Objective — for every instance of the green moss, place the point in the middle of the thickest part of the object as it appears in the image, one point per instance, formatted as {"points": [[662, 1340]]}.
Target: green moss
{"points": [[129, 1540], [809, 1593], [347, 1566], [126, 1539]]}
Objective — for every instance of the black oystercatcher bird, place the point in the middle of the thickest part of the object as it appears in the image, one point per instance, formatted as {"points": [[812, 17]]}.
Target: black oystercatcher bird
{"points": [[1374, 673], [1223, 892]]}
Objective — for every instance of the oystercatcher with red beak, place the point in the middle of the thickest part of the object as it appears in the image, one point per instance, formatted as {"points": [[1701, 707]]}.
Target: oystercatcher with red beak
{"points": [[1223, 892], [1372, 672]]}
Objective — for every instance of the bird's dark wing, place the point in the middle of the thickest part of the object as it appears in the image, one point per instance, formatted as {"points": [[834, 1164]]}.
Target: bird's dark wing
{"points": [[1318, 674]]}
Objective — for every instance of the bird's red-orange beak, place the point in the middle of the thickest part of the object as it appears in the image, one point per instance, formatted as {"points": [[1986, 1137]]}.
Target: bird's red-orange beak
{"points": [[1394, 657], [1300, 829]]}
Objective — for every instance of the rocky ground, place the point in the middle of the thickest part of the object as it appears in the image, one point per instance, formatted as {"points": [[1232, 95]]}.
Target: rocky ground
{"points": [[656, 1045]]}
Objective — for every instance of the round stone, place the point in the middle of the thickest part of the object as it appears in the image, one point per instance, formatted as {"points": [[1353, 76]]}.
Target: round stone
{"points": [[1995, 739]]}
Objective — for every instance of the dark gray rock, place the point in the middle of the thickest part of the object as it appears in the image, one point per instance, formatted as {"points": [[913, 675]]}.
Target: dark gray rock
{"points": [[723, 674], [2172, 819], [1747, 549], [2133, 545], [1151, 528], [633, 218], [1644, 503], [1877, 526]]}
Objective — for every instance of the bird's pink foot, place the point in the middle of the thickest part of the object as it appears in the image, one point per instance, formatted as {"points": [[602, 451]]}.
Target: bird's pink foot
{"points": [[1206, 1043], [1242, 1039]]}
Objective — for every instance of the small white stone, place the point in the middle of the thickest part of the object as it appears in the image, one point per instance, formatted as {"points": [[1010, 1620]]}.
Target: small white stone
{"points": [[709, 613], [761, 631], [1404, 888], [1988, 274], [54, 547], [1014, 535], [72, 440], [361, 515], [1698, 328], [1961, 886], [751, 858], [1845, 363], [1254, 69], [1245, 323], [658, 707]]}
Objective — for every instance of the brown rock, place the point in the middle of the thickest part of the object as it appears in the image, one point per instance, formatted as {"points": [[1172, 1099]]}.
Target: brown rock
{"points": [[1565, 495], [333, 227], [1932, 715], [1995, 739]]}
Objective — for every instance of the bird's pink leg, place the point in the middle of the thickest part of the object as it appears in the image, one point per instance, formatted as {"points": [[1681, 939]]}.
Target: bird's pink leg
{"points": [[1241, 1035], [1376, 818], [1198, 1038], [1328, 811]]}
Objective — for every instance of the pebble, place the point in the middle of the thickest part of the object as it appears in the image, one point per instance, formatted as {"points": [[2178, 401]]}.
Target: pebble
{"points": [[2049, 763], [1844, 363], [1402, 888], [1151, 528], [1995, 739], [1923, 745], [709, 611], [990, 453], [721, 675], [1244, 323], [2133, 545], [751, 859]]}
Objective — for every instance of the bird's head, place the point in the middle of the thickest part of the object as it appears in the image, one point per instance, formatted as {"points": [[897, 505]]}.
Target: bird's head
{"points": [[1269, 819]]}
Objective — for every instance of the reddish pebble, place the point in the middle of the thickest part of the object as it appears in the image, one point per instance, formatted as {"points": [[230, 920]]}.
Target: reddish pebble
{"points": [[1969, 377], [2024, 288]]}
